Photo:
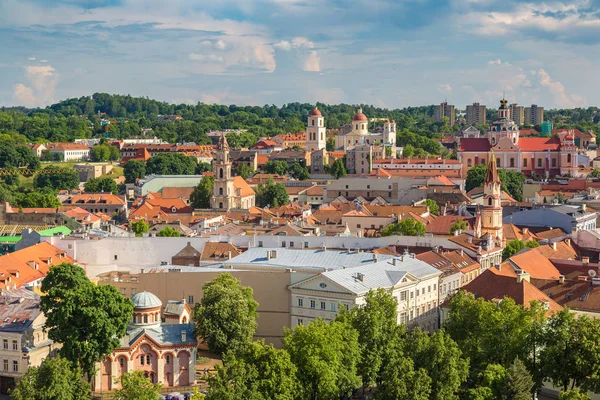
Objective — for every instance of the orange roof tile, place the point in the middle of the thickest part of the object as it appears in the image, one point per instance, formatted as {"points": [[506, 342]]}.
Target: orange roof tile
{"points": [[535, 264]]}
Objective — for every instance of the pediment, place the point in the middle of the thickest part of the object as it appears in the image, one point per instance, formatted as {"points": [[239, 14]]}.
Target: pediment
{"points": [[320, 283]]}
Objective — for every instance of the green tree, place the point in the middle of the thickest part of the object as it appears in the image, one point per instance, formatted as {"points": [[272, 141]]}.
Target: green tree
{"points": [[35, 199], [569, 357], [475, 177], [86, 319], [299, 172], [512, 181], [258, 371], [57, 179], [104, 152], [245, 171], [271, 194], [203, 167], [134, 170], [516, 245], [441, 358], [338, 169], [326, 356], [434, 209], [135, 386], [595, 173], [139, 227], [101, 185], [54, 379], [226, 316], [171, 164], [573, 394], [519, 383], [458, 225], [200, 197], [400, 381], [169, 232], [276, 167], [330, 144], [406, 227], [408, 151]]}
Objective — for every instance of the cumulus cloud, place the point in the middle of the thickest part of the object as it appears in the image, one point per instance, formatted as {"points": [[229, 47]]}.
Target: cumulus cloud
{"points": [[312, 62], [42, 80], [557, 89], [283, 45], [300, 42], [232, 55], [445, 88], [31, 58], [206, 58], [499, 62]]}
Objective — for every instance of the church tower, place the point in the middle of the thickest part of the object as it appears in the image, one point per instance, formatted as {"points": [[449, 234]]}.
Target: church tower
{"points": [[223, 190], [491, 212], [568, 155], [316, 137]]}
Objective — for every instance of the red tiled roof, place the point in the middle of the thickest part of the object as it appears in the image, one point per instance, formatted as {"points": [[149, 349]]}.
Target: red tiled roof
{"points": [[474, 144], [539, 144]]}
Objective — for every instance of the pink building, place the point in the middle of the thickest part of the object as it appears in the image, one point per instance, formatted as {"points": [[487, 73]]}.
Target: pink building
{"points": [[547, 156], [166, 352]]}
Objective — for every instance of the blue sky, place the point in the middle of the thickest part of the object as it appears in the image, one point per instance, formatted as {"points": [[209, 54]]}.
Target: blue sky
{"points": [[391, 53]]}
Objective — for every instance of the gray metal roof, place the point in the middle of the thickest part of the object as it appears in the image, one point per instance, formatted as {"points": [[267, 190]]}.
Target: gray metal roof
{"points": [[383, 274], [163, 334], [312, 259], [145, 300], [174, 307]]}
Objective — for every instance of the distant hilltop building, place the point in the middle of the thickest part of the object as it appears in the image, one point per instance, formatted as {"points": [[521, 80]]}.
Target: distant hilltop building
{"points": [[534, 115], [476, 114], [444, 110], [517, 114]]}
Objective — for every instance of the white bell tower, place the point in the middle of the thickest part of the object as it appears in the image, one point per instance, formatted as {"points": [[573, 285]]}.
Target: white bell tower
{"points": [[316, 134]]}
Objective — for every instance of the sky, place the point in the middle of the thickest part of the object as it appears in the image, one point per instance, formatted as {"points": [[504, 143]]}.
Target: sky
{"points": [[389, 53]]}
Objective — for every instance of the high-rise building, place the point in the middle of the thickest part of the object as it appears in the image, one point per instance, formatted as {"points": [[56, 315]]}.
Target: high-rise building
{"points": [[517, 113], [444, 110], [534, 115], [546, 128], [476, 114]]}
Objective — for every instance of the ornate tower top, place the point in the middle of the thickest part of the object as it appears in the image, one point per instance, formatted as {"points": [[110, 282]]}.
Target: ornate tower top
{"points": [[223, 145], [491, 175]]}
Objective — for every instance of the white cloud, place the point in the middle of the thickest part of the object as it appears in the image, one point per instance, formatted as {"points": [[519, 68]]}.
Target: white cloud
{"points": [[43, 61], [445, 88], [300, 42], [219, 44], [557, 89], [312, 62], [499, 62], [42, 80], [233, 56], [206, 57], [283, 45], [31, 58]]}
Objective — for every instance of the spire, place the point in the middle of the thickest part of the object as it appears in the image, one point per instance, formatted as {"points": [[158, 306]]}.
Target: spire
{"points": [[491, 175], [223, 145]]}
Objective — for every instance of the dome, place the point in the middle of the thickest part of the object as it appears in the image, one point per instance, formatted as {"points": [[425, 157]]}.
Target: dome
{"points": [[569, 137], [315, 112], [145, 300], [359, 116]]}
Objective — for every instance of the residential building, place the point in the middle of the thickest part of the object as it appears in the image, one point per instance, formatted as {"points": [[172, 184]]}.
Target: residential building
{"points": [[289, 140], [449, 168], [247, 158], [412, 282], [91, 171], [534, 115], [359, 158], [394, 190], [70, 151], [469, 132], [444, 110], [25, 343], [291, 157], [37, 148], [106, 203], [226, 195], [517, 114], [476, 114], [569, 218], [530, 155], [165, 352]]}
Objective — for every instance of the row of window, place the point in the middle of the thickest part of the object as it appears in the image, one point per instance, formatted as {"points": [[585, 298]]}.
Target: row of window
{"points": [[511, 162], [15, 344], [15, 365], [403, 295], [283, 244], [322, 305]]}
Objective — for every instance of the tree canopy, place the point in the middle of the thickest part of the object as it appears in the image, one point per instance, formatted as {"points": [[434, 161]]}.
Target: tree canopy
{"points": [[515, 246], [458, 225], [271, 194], [86, 319], [169, 232], [57, 178], [200, 197], [134, 170], [135, 386], [406, 227], [101, 185], [512, 181], [226, 315], [140, 227]]}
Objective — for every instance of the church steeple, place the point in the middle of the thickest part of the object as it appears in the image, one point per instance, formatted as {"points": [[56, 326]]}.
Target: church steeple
{"points": [[491, 211], [223, 189]]}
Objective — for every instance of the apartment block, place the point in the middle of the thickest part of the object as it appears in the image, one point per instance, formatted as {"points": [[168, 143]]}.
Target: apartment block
{"points": [[444, 110], [517, 113], [476, 114], [534, 115]]}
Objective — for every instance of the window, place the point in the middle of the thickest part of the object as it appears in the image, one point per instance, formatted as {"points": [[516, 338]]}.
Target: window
{"points": [[434, 286], [15, 366], [121, 362], [300, 321], [6, 365], [417, 292], [168, 358], [283, 243], [412, 315], [15, 345], [5, 344], [554, 162], [306, 245], [403, 296], [512, 162], [116, 257], [498, 162], [568, 158], [300, 302], [191, 299], [469, 163], [291, 244], [322, 305], [260, 243], [145, 319], [412, 294], [333, 307], [525, 162], [358, 226], [539, 162], [313, 304], [429, 289], [148, 359], [142, 359]]}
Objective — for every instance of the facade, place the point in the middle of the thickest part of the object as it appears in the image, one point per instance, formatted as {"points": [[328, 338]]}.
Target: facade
{"points": [[534, 115], [226, 194], [491, 211], [444, 110], [394, 190], [412, 282], [316, 134], [533, 156], [360, 135], [359, 159], [70, 151], [106, 203], [166, 352], [290, 140], [476, 114], [517, 114], [24, 343]]}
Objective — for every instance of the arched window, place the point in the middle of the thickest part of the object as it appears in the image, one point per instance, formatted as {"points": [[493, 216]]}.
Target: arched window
{"points": [[221, 173], [220, 191], [356, 126], [313, 122], [145, 319], [568, 158], [490, 201], [363, 126], [122, 361], [142, 359], [220, 205]]}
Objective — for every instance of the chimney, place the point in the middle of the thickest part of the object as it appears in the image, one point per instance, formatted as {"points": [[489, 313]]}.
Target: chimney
{"points": [[324, 247], [268, 254], [183, 336], [568, 241], [523, 276], [585, 260], [462, 253], [525, 231], [229, 255], [499, 267], [374, 257], [561, 279], [554, 246]]}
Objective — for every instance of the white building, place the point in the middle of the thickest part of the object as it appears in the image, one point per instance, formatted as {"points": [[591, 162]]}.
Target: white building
{"points": [[360, 134], [70, 151], [412, 282]]}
